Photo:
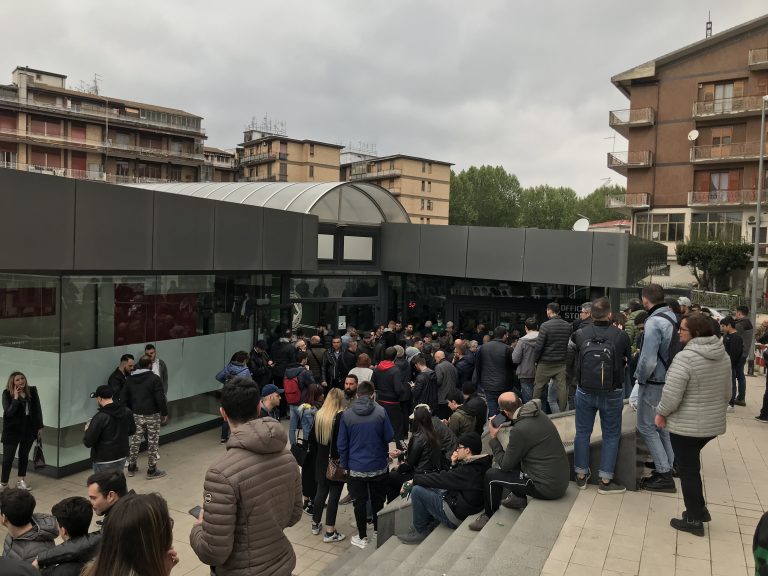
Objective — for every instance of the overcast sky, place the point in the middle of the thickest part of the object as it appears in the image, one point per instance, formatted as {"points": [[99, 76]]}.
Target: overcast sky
{"points": [[525, 85]]}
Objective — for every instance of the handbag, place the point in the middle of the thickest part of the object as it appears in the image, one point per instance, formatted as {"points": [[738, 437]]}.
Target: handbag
{"points": [[38, 458], [335, 472], [299, 451]]}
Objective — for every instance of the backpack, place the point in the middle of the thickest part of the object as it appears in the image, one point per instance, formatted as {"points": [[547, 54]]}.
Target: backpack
{"points": [[674, 343], [292, 390], [596, 363]]}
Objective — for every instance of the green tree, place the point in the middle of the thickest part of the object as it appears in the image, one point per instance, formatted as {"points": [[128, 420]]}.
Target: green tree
{"points": [[593, 205], [712, 261], [548, 207], [484, 196]]}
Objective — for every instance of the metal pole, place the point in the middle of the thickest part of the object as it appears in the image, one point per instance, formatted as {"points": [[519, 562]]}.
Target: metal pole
{"points": [[760, 188]]}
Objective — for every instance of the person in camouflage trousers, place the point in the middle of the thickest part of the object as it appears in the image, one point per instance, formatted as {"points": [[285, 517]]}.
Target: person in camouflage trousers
{"points": [[144, 395]]}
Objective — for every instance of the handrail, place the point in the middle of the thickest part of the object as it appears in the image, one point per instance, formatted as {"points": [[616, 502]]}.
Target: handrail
{"points": [[631, 200], [257, 158], [721, 197], [634, 158], [735, 105], [81, 174], [734, 150], [758, 56], [375, 175], [632, 116]]}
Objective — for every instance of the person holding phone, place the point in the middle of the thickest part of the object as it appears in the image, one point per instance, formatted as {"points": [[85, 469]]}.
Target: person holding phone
{"points": [[533, 463], [22, 425]]}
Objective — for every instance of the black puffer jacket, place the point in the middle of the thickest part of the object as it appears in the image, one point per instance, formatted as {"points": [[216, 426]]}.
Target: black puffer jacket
{"points": [[143, 393], [463, 484], [68, 559], [552, 343], [108, 432], [493, 366]]}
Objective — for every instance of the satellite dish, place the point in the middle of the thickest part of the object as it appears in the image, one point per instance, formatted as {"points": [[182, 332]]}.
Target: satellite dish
{"points": [[581, 225], [693, 135]]}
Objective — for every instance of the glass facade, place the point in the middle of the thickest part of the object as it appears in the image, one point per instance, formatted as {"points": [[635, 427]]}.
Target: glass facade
{"points": [[67, 333]]}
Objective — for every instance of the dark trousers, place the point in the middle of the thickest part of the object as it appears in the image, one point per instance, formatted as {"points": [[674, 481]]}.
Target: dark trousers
{"points": [[395, 413], [332, 491], [688, 452], [497, 480], [764, 409], [362, 490], [9, 452]]}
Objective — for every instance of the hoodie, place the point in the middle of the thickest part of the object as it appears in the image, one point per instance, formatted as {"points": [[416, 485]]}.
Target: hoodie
{"points": [[68, 559], [34, 541], [476, 407], [535, 447], [524, 356], [108, 431], [697, 389], [143, 393], [364, 437], [747, 331], [252, 494], [387, 381]]}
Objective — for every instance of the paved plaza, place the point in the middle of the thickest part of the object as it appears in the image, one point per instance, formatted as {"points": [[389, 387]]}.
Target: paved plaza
{"points": [[604, 535]]}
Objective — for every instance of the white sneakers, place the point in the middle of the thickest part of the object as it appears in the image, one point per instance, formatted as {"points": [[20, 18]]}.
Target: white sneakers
{"points": [[22, 485], [359, 542]]}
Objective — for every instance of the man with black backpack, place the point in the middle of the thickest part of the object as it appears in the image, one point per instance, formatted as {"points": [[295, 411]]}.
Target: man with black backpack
{"points": [[661, 342], [602, 352]]}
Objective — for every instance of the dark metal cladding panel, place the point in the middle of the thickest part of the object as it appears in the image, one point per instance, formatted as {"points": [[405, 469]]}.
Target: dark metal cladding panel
{"points": [[310, 229], [400, 244], [183, 238], [496, 253], [282, 240], [238, 237], [558, 257], [609, 259], [443, 250]]}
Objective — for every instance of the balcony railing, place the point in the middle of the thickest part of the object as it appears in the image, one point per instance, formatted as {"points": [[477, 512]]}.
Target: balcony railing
{"points": [[622, 161], [727, 152], [743, 105], [271, 178], [634, 201], [258, 158], [623, 120], [98, 114], [230, 164], [94, 145], [758, 59], [80, 174], [390, 173], [721, 197]]}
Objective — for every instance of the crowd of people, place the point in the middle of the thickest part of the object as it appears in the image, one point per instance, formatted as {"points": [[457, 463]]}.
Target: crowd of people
{"points": [[391, 413]]}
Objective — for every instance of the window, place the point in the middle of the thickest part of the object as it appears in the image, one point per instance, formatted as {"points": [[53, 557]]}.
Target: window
{"points": [[429, 186], [722, 95], [429, 204], [148, 170], [429, 221], [423, 167], [122, 168], [311, 171], [174, 173], [311, 150], [661, 227], [422, 203], [724, 226], [122, 139], [283, 169], [7, 159], [391, 164], [429, 167], [722, 136], [423, 185]]}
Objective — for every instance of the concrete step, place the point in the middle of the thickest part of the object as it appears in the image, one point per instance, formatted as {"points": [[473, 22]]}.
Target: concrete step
{"points": [[421, 553], [350, 559], [373, 560], [394, 559], [445, 556]]}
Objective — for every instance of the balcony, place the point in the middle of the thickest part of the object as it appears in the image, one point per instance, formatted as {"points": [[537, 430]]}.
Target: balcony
{"points": [[623, 120], [223, 164], [258, 159], [758, 59], [623, 161], [721, 197], [390, 173], [97, 114], [628, 203], [270, 178], [735, 151], [80, 174], [727, 107]]}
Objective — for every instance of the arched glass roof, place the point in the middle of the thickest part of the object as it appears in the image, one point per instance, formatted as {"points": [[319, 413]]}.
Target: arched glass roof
{"points": [[342, 202]]}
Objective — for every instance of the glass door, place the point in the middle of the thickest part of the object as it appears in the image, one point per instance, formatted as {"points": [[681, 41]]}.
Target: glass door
{"points": [[361, 316], [470, 317]]}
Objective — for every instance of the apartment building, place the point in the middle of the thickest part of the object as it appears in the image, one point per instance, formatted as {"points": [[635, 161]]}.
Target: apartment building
{"points": [[267, 157], [693, 131], [421, 185], [46, 127], [220, 165]]}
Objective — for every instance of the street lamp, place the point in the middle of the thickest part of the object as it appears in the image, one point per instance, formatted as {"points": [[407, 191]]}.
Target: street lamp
{"points": [[760, 189]]}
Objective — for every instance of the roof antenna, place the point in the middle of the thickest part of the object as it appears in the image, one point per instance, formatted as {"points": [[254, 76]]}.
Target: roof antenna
{"points": [[708, 33]]}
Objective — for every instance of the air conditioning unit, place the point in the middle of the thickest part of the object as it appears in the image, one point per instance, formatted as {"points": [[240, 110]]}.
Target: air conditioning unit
{"points": [[751, 220]]}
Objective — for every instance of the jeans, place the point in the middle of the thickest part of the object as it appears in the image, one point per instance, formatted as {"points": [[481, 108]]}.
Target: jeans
{"points": [[740, 380], [9, 451], [526, 386], [118, 466], [688, 450], [492, 399], [627, 383], [427, 507], [294, 424], [656, 439], [362, 490], [547, 370], [332, 491], [552, 397], [609, 405]]}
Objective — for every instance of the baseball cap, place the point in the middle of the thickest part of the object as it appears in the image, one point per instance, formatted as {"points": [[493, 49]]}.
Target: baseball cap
{"points": [[270, 389], [102, 391], [683, 301]]}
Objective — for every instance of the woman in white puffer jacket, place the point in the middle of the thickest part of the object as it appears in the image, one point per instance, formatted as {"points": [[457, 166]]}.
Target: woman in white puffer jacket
{"points": [[692, 408]]}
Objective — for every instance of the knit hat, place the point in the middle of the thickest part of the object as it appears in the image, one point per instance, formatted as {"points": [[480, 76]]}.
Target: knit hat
{"points": [[410, 352], [472, 441]]}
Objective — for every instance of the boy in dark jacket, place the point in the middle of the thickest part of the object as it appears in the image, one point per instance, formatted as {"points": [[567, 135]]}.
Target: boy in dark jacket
{"points": [[452, 495], [734, 346], [29, 534], [108, 432], [74, 516]]}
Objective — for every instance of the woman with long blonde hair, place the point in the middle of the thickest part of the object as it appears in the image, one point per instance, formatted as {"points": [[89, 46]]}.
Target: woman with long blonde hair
{"points": [[323, 442], [22, 425]]}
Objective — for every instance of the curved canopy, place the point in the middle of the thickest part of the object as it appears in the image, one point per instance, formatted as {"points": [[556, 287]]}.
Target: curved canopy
{"points": [[341, 202]]}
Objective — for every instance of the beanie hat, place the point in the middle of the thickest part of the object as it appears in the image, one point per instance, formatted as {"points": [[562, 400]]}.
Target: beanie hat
{"points": [[472, 441]]}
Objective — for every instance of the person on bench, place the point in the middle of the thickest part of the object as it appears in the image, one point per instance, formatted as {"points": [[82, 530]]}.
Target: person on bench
{"points": [[533, 464]]}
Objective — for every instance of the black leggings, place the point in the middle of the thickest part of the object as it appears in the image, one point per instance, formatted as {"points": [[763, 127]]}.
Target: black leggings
{"points": [[332, 491], [9, 452]]}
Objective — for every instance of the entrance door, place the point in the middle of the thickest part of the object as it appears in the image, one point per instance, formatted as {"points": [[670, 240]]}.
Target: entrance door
{"points": [[469, 317], [269, 322], [361, 316]]}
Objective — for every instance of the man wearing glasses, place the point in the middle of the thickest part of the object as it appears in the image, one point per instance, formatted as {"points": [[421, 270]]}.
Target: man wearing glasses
{"points": [[450, 496]]}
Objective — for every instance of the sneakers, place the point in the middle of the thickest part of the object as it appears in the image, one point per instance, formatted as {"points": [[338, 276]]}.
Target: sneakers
{"points": [[707, 516], [610, 488], [761, 419], [659, 482], [132, 469], [22, 485], [3, 486], [223, 440], [334, 536], [412, 537], [695, 527], [308, 508], [581, 483], [740, 402], [316, 528], [361, 543], [479, 523], [346, 500], [730, 408], [153, 473], [515, 502]]}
